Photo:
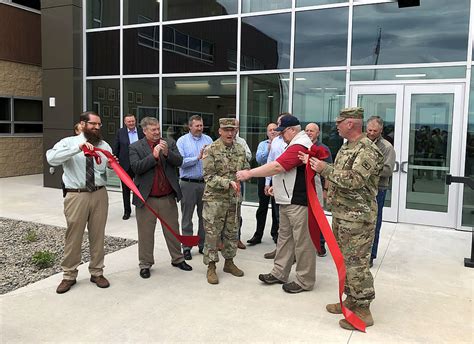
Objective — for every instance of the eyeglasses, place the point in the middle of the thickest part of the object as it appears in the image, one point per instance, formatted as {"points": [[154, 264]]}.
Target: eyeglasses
{"points": [[95, 123]]}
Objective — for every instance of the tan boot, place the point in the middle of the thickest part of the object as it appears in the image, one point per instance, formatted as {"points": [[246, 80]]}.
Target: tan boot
{"points": [[363, 313], [335, 308], [230, 267], [211, 273]]}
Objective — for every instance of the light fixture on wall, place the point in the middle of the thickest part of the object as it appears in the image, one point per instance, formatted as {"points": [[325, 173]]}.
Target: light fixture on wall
{"points": [[191, 83], [410, 75], [212, 97], [300, 79]]}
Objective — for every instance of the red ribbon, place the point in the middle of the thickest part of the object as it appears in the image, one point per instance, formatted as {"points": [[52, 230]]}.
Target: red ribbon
{"points": [[317, 223], [125, 178]]}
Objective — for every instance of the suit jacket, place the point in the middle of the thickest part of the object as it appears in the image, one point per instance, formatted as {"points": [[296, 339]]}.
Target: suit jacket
{"points": [[120, 148], [143, 164]]}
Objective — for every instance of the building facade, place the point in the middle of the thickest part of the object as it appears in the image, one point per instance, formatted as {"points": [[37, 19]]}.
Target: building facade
{"points": [[255, 59]]}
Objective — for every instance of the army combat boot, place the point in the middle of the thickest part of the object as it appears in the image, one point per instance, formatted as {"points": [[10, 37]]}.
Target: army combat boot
{"points": [[211, 273], [230, 267], [335, 308], [363, 313]]}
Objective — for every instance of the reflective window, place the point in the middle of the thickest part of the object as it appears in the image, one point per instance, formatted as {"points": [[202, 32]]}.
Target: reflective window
{"points": [[200, 47], [141, 50], [26, 110], [210, 97], [318, 97], [321, 38], [266, 42], [183, 9], [36, 4], [408, 73], [143, 11], [27, 116], [301, 3], [264, 5], [141, 97], [5, 109], [103, 53], [468, 197], [431, 32], [103, 13], [5, 128]]}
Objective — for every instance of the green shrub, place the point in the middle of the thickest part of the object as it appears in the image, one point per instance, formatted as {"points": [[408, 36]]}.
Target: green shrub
{"points": [[43, 259], [31, 236]]}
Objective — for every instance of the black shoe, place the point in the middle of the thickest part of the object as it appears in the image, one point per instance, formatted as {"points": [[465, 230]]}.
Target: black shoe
{"points": [[201, 250], [275, 239], [292, 288], [254, 241], [323, 252], [371, 262], [126, 216], [145, 273], [269, 279], [183, 266], [187, 255]]}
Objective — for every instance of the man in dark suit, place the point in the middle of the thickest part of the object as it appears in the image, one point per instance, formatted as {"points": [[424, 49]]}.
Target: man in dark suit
{"points": [[154, 161], [125, 137]]}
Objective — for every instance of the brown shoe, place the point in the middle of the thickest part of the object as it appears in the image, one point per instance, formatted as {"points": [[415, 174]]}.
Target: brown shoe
{"points": [[211, 273], [335, 308], [363, 313], [65, 285], [100, 281], [270, 255], [241, 245], [231, 268]]}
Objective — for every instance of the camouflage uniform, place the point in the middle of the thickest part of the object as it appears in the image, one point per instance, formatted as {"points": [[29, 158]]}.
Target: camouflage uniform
{"points": [[354, 178], [220, 164]]}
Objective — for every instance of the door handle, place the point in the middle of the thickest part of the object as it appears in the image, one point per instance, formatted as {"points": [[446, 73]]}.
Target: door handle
{"points": [[396, 168], [403, 165]]}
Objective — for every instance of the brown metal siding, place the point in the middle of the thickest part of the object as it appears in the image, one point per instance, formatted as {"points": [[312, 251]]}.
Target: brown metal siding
{"points": [[20, 35]]}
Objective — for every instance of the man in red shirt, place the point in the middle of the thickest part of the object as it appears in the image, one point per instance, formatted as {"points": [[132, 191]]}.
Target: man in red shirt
{"points": [[154, 161], [289, 190]]}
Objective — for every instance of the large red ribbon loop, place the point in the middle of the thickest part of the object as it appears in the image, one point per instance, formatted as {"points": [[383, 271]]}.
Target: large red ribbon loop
{"points": [[317, 223], [125, 178]]}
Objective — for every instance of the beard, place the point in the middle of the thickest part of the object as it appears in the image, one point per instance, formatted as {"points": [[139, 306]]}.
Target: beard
{"points": [[93, 137]]}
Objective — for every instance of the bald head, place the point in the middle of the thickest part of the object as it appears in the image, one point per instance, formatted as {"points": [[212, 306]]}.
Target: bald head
{"points": [[312, 130]]}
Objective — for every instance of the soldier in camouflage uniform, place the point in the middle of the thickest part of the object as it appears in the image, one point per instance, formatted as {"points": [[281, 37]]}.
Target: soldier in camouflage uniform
{"points": [[353, 178], [221, 160]]}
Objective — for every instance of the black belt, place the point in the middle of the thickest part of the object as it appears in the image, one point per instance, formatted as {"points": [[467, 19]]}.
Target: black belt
{"points": [[192, 180], [85, 190]]}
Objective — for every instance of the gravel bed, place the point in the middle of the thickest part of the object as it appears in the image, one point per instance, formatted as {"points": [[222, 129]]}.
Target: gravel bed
{"points": [[16, 251]]}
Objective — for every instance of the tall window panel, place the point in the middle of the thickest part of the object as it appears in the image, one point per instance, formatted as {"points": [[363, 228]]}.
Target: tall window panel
{"points": [[141, 97], [184, 9], [209, 46], [103, 53], [264, 5], [321, 38], [265, 42], [431, 32], [138, 12], [318, 97], [468, 197], [141, 50], [102, 13]]}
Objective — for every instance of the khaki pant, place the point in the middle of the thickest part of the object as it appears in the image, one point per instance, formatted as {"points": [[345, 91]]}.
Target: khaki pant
{"points": [[81, 208], [146, 222], [294, 241]]}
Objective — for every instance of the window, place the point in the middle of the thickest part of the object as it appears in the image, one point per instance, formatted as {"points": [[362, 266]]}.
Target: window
{"points": [[36, 4], [21, 116]]}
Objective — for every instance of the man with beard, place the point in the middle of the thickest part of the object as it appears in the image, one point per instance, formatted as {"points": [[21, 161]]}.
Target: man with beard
{"points": [[86, 200]]}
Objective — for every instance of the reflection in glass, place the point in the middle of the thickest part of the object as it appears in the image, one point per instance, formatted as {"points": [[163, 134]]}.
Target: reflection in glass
{"points": [[138, 12], [184, 9], [468, 194], [211, 97], [321, 38], [265, 42], [429, 151], [200, 47], [431, 32], [103, 13], [383, 105], [301, 3], [141, 47], [103, 53], [408, 73], [318, 97], [264, 5], [103, 97], [262, 98], [141, 97]]}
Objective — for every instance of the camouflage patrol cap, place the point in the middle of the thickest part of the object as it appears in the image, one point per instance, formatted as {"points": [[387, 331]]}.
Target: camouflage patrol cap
{"points": [[227, 123], [350, 112]]}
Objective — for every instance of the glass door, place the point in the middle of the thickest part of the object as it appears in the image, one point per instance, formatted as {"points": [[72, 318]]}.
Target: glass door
{"points": [[424, 123]]}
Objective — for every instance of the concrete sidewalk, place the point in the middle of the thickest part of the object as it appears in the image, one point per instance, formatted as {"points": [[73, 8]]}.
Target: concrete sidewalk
{"points": [[423, 291]]}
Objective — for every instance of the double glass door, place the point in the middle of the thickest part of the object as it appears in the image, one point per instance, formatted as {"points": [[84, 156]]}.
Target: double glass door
{"points": [[424, 124]]}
